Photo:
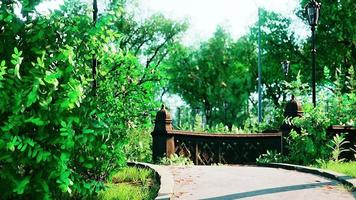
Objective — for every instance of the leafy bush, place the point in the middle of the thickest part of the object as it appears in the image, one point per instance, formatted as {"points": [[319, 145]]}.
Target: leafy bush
{"points": [[311, 143], [337, 147], [176, 160], [333, 108], [270, 157], [138, 147], [49, 142], [60, 137]]}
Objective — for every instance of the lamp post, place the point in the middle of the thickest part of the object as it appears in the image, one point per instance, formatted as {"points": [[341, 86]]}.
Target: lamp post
{"points": [[312, 10], [259, 69]]}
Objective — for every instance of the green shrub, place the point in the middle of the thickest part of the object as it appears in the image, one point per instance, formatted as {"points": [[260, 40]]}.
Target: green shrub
{"points": [[176, 160], [311, 143], [270, 157], [138, 147], [54, 139], [131, 183], [333, 108], [337, 147]]}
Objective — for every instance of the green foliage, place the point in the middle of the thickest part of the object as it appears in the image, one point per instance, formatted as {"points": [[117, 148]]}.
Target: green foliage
{"points": [[122, 191], [174, 159], [278, 43], [354, 150], [52, 145], [138, 147], [133, 175], [215, 78], [311, 143], [272, 122], [251, 125], [347, 168], [333, 108], [341, 106], [131, 183], [296, 87], [337, 147], [60, 135], [270, 157], [336, 30]]}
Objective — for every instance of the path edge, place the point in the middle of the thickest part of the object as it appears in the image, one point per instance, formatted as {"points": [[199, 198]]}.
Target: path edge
{"points": [[342, 178], [165, 179]]}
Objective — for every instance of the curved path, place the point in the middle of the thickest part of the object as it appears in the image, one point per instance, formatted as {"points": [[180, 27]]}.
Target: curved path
{"points": [[249, 182]]}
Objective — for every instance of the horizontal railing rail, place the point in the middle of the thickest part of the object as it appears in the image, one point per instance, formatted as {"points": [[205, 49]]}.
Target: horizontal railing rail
{"points": [[210, 148]]}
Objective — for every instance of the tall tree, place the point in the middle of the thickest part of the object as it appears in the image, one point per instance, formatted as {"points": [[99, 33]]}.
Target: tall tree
{"points": [[216, 77]]}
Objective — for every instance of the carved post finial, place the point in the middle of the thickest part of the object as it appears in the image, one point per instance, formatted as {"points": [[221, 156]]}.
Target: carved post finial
{"points": [[162, 141], [163, 122]]}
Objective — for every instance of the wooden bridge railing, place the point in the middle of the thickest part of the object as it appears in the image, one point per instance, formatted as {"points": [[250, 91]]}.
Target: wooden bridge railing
{"points": [[204, 149]]}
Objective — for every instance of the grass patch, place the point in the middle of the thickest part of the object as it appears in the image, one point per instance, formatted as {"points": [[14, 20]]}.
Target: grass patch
{"points": [[131, 183], [347, 168]]}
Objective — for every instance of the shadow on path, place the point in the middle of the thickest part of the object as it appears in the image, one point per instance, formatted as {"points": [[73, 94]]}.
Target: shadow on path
{"points": [[272, 190]]}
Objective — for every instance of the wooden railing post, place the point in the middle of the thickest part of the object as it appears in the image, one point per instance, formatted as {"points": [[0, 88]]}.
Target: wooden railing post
{"points": [[292, 109], [162, 141]]}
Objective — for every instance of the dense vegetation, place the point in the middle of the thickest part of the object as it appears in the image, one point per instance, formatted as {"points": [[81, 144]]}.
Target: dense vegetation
{"points": [[72, 87], [218, 79], [79, 88], [131, 183]]}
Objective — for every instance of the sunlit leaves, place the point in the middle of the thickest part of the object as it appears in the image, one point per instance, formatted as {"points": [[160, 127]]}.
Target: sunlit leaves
{"points": [[21, 185], [16, 61], [2, 72], [36, 120], [54, 128]]}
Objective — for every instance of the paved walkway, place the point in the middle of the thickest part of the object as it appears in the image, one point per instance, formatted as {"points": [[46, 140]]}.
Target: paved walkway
{"points": [[248, 182]]}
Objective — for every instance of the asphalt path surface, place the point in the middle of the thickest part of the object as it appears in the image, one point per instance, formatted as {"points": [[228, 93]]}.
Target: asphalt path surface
{"points": [[251, 182]]}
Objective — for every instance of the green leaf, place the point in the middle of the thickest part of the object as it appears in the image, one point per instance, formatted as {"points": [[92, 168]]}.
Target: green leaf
{"points": [[88, 165], [39, 156], [46, 102], [29, 154], [21, 185], [32, 96], [17, 71], [19, 146], [30, 142], [63, 123], [23, 148], [86, 131], [51, 77], [34, 153], [65, 156], [10, 146], [14, 62], [36, 120], [45, 186]]}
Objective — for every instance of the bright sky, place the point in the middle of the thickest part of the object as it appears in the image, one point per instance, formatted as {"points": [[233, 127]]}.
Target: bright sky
{"points": [[205, 15]]}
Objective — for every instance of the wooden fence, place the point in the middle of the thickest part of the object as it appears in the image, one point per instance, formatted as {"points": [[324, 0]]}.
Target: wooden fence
{"points": [[206, 148]]}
